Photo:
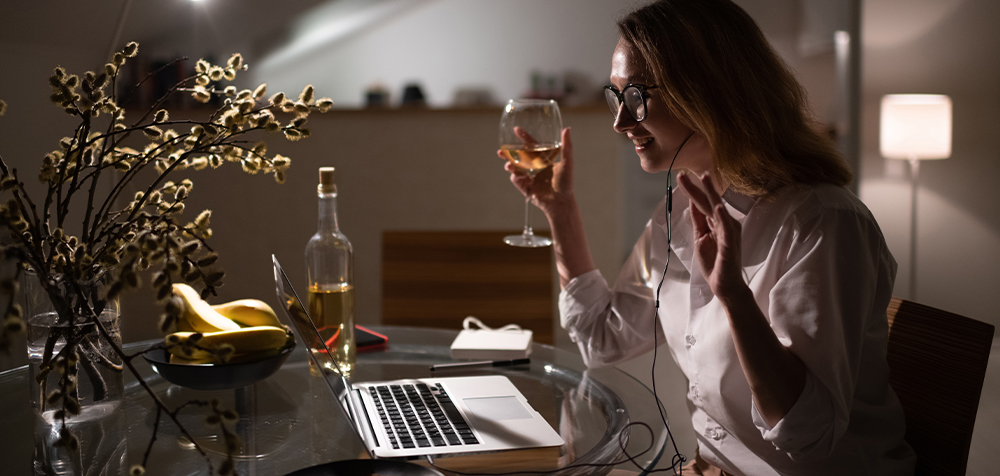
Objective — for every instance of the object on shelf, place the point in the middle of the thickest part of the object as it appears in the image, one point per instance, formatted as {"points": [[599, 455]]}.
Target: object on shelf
{"points": [[413, 96], [570, 88], [377, 96], [472, 96]]}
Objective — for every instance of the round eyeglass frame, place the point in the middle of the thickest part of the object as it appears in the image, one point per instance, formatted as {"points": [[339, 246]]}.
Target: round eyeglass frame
{"points": [[635, 102]]}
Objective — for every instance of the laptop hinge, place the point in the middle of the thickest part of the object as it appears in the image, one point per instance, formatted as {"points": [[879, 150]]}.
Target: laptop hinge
{"points": [[364, 421]]}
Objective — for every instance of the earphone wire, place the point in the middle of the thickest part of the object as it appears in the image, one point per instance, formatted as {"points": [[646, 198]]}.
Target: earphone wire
{"points": [[677, 462]]}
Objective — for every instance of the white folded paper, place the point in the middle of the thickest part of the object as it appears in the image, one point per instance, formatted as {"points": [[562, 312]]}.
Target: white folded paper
{"points": [[507, 342]]}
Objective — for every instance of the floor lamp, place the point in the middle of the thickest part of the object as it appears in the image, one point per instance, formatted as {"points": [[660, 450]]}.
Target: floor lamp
{"points": [[915, 127]]}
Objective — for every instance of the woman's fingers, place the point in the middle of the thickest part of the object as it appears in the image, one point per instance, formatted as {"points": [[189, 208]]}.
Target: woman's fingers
{"points": [[694, 188], [550, 186], [567, 148], [709, 214], [563, 171], [723, 223], [713, 196], [523, 135], [700, 222]]}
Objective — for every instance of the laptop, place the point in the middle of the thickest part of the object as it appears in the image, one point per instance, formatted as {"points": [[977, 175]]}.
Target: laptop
{"points": [[419, 417]]}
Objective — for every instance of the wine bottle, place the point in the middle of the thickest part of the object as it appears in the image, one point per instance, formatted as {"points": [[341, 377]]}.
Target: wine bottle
{"points": [[330, 273]]}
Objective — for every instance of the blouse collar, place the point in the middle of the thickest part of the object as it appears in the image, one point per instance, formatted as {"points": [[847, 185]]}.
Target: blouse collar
{"points": [[737, 200]]}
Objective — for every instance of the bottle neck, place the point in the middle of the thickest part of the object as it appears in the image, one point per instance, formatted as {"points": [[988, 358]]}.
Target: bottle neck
{"points": [[328, 212]]}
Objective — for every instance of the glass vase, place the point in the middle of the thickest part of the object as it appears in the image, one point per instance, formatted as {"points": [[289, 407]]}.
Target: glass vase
{"points": [[102, 452], [99, 384]]}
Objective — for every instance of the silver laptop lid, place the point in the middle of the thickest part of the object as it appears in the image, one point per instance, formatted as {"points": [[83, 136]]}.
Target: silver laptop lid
{"points": [[319, 353]]}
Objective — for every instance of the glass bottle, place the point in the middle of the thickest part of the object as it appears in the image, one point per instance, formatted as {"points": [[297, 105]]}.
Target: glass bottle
{"points": [[330, 272]]}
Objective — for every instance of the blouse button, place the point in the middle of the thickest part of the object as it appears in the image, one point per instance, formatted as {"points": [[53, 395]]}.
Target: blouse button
{"points": [[714, 433], [689, 341]]}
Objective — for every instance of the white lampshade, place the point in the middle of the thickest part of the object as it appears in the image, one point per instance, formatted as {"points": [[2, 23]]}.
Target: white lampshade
{"points": [[915, 126]]}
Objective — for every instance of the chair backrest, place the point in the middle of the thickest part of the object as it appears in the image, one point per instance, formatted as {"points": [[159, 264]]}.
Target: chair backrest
{"points": [[937, 363], [437, 278]]}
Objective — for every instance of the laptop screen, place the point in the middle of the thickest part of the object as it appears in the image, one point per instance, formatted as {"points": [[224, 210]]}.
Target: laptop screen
{"points": [[319, 353]]}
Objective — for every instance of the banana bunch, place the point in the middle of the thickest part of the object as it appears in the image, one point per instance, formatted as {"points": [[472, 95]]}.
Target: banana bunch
{"points": [[237, 331]]}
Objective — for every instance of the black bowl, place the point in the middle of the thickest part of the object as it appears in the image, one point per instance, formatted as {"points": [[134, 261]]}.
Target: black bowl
{"points": [[215, 376]]}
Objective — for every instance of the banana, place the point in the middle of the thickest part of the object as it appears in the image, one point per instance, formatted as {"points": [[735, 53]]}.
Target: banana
{"points": [[236, 359], [247, 340], [181, 325], [199, 314], [249, 313]]}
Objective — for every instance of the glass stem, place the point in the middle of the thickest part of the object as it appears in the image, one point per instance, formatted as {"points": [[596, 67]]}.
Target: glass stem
{"points": [[527, 210]]}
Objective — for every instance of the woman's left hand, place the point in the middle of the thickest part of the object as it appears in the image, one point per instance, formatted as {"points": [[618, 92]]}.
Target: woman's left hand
{"points": [[717, 236]]}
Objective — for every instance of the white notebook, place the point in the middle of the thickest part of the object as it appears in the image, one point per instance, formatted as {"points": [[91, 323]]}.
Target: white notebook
{"points": [[490, 344]]}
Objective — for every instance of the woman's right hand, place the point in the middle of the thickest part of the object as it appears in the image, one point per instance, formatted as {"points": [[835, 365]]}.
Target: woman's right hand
{"points": [[552, 188]]}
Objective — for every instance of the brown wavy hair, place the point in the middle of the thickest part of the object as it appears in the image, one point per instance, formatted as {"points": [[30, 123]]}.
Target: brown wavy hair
{"points": [[719, 76]]}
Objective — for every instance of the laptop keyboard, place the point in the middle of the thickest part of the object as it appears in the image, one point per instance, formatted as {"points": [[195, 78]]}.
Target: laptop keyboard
{"points": [[421, 416]]}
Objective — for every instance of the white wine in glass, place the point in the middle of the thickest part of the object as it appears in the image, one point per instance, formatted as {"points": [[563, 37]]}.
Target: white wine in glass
{"points": [[530, 140]]}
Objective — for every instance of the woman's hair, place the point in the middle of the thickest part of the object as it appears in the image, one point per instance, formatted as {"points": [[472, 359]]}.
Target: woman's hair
{"points": [[719, 76]]}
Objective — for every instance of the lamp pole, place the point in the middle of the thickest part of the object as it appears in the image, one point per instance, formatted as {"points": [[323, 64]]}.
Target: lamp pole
{"points": [[914, 177]]}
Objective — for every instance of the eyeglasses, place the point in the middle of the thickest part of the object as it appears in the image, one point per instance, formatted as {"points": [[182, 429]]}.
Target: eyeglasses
{"points": [[633, 96]]}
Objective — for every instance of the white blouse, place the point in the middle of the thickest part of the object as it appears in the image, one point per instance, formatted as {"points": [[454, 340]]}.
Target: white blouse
{"points": [[821, 273]]}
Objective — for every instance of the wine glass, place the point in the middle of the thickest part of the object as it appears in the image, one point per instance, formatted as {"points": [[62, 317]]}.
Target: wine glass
{"points": [[530, 140]]}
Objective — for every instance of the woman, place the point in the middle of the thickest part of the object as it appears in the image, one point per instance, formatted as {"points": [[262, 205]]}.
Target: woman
{"points": [[776, 277]]}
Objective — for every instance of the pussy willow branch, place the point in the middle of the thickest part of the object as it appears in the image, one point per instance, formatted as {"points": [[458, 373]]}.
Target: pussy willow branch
{"points": [[94, 178], [74, 145], [24, 197], [21, 196], [139, 206], [149, 158], [18, 191], [152, 439], [80, 149], [143, 161], [127, 132]]}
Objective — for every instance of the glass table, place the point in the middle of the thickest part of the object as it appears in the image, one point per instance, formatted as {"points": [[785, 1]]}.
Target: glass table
{"points": [[287, 421]]}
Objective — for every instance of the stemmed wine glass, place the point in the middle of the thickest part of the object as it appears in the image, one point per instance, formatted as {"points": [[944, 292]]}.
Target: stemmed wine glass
{"points": [[530, 139]]}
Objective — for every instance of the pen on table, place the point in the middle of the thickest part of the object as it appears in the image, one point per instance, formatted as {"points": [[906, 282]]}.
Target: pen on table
{"points": [[481, 363]]}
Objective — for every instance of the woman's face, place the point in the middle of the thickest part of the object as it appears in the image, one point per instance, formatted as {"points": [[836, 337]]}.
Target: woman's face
{"points": [[658, 137]]}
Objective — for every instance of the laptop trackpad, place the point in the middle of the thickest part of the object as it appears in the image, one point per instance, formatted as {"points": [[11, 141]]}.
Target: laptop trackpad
{"points": [[497, 408]]}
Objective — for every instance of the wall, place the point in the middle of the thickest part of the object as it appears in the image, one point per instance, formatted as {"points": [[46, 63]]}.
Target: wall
{"points": [[941, 47], [448, 44]]}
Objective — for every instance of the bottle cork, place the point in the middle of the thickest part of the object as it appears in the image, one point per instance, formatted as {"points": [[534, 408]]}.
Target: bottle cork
{"points": [[326, 183]]}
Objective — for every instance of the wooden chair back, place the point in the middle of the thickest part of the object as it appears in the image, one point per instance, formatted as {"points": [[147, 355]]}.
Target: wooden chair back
{"points": [[937, 363], [437, 278]]}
